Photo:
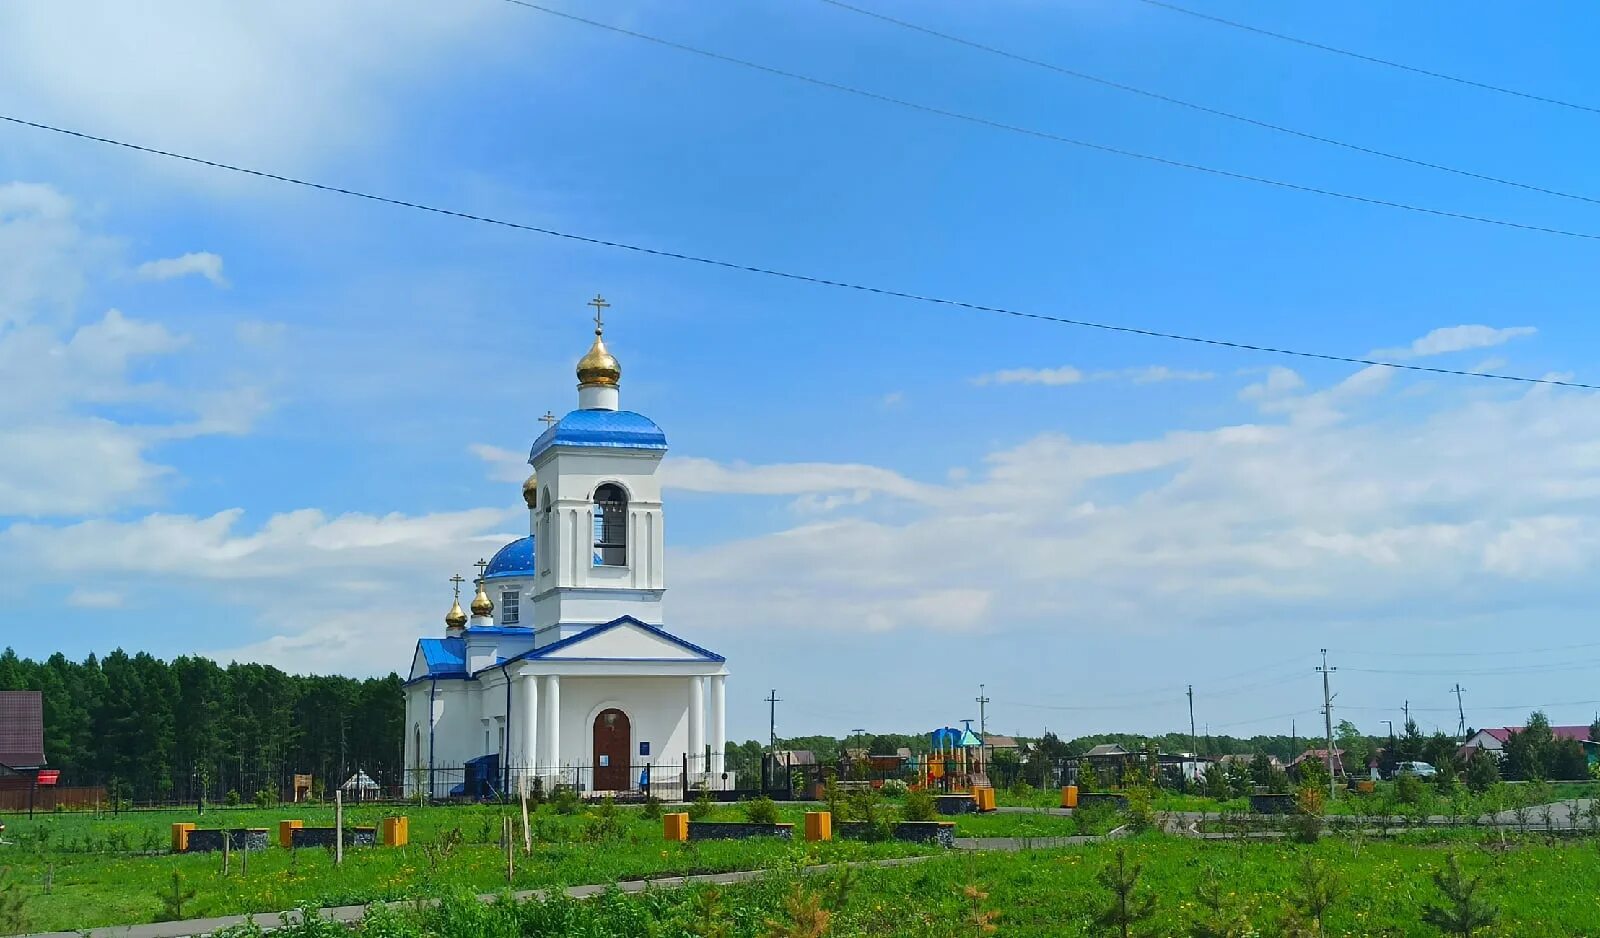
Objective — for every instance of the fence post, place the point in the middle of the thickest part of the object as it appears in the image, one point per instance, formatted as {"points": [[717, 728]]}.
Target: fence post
{"points": [[338, 824]]}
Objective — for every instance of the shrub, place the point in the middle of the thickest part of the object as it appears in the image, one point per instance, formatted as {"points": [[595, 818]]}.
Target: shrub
{"points": [[1141, 813], [1307, 824], [12, 919], [564, 800], [652, 808], [761, 811], [265, 798], [867, 807], [921, 806], [1087, 779], [1021, 789], [1127, 907], [172, 898], [1316, 890], [1408, 788], [700, 808], [894, 788], [1483, 770], [1463, 911], [604, 823], [232, 798]]}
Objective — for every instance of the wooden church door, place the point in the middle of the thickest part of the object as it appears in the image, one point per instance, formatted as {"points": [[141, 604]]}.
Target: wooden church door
{"points": [[613, 744]]}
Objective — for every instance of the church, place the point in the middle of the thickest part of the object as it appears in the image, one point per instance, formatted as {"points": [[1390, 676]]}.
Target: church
{"points": [[565, 672]]}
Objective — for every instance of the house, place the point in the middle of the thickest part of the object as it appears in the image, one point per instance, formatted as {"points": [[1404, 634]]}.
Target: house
{"points": [[1248, 759], [794, 756], [1320, 755], [1493, 740], [1107, 751], [997, 743]]}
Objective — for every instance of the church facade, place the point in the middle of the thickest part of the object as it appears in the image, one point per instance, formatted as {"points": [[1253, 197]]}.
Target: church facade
{"points": [[565, 671]]}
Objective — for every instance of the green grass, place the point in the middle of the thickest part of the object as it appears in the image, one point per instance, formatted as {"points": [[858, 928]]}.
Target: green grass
{"points": [[101, 877], [1382, 889]]}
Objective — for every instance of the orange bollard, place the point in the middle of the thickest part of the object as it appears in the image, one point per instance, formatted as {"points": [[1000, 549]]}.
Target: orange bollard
{"points": [[819, 825], [675, 826], [180, 837], [1069, 796]]}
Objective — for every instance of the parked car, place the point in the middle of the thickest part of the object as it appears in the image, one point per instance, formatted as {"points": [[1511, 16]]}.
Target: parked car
{"points": [[1419, 769]]}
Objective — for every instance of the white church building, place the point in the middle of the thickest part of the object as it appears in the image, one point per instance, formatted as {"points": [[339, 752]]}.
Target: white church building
{"points": [[565, 671]]}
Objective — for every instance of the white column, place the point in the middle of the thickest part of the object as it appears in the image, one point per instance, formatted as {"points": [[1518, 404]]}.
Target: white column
{"points": [[719, 725], [528, 720], [551, 736], [697, 726]]}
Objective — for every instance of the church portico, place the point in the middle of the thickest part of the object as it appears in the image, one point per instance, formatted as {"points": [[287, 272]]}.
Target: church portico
{"points": [[565, 672]]}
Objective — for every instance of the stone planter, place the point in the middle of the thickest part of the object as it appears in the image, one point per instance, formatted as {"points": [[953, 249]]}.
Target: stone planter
{"points": [[942, 833], [1272, 804], [243, 838], [955, 804], [325, 837], [1086, 799], [737, 830]]}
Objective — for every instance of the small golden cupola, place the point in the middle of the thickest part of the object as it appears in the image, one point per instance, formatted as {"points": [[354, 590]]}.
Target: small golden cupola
{"points": [[598, 367], [455, 619], [482, 605], [530, 491]]}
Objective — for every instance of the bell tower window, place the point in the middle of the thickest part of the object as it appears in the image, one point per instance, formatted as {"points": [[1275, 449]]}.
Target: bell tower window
{"points": [[509, 601], [610, 526]]}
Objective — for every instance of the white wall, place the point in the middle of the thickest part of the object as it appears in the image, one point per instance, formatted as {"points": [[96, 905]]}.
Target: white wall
{"points": [[657, 709]]}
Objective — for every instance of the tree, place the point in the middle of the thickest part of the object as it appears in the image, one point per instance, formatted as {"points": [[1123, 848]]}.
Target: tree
{"points": [[1261, 770], [1410, 746], [1483, 771], [1463, 911], [1316, 890], [1217, 917], [1567, 760], [1528, 751], [1594, 730], [1357, 748], [1128, 906]]}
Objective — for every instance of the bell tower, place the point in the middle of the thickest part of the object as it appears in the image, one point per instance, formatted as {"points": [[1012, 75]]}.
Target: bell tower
{"points": [[597, 510]]}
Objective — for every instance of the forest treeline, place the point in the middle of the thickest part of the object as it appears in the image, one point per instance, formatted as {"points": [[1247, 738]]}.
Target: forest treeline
{"points": [[154, 730]]}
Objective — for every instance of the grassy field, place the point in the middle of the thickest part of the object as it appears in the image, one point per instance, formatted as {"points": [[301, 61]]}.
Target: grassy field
{"points": [[110, 870], [1380, 889]]}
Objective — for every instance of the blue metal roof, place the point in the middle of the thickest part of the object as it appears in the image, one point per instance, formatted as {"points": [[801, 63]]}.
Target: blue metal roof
{"points": [[444, 656], [619, 429], [514, 559]]}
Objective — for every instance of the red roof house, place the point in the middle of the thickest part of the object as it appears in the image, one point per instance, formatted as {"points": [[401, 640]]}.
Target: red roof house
{"points": [[1493, 739]]}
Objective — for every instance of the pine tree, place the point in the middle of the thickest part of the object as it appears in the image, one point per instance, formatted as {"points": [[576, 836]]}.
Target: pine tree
{"points": [[1128, 905], [1463, 912], [1216, 917], [1316, 890]]}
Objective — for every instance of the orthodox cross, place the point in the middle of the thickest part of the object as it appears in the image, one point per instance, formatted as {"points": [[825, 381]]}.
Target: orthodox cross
{"points": [[600, 305], [457, 580], [480, 565], [550, 419]]}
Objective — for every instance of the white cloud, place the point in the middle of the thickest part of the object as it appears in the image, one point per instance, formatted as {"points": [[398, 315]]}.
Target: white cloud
{"points": [[271, 84], [1066, 374], [694, 474], [1052, 377], [204, 263], [58, 454], [1455, 339], [94, 599], [348, 592]]}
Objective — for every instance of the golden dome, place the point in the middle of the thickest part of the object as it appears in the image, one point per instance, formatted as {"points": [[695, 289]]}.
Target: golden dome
{"points": [[599, 366], [455, 618], [530, 492], [481, 604]]}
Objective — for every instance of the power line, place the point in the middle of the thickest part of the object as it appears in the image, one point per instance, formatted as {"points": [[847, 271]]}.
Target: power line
{"points": [[1468, 654], [1054, 137], [798, 277], [1206, 109], [1387, 63]]}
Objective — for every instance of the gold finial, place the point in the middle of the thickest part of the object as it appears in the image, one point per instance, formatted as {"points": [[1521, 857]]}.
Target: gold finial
{"points": [[599, 366], [455, 618], [481, 604], [530, 491]]}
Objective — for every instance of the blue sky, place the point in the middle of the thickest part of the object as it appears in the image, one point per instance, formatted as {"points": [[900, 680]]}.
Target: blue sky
{"points": [[261, 422]]}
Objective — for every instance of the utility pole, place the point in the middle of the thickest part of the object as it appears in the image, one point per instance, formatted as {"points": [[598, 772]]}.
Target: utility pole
{"points": [[1193, 748], [1461, 727], [772, 716], [1327, 722], [983, 719], [1405, 708]]}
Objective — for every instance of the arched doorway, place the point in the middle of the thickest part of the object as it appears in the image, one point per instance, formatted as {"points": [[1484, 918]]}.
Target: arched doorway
{"points": [[613, 744]]}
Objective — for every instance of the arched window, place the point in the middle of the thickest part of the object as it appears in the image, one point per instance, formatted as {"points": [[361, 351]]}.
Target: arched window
{"points": [[610, 526]]}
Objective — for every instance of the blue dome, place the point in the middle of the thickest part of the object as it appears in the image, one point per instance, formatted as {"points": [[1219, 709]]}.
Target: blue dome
{"points": [[514, 559], [621, 429]]}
